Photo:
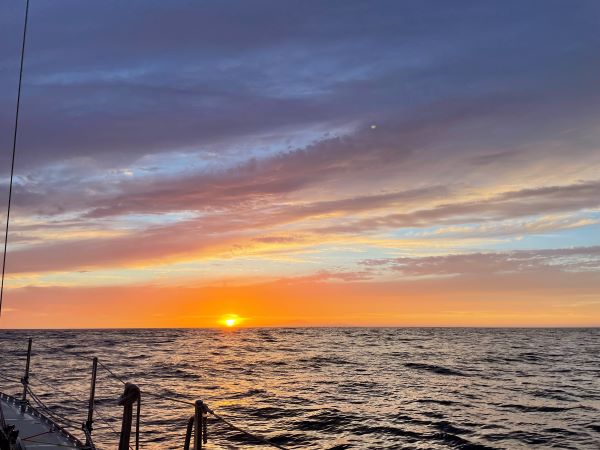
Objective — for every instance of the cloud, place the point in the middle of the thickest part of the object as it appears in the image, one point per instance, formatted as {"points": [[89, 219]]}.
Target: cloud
{"points": [[513, 227], [581, 259], [107, 87], [508, 205], [244, 227]]}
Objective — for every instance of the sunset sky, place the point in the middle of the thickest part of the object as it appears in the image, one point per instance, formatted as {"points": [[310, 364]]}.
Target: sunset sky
{"points": [[303, 163]]}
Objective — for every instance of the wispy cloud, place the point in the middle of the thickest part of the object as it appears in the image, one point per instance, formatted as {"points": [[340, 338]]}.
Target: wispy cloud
{"points": [[585, 259]]}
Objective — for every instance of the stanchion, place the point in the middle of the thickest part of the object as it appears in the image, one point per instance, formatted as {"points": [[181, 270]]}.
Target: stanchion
{"points": [[88, 426], [188, 433], [25, 379], [130, 395], [197, 424]]}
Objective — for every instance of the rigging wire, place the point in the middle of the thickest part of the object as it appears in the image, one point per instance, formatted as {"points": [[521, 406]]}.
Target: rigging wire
{"points": [[59, 419], [254, 436], [100, 416], [5, 378], [81, 356], [80, 402], [52, 387], [14, 150], [115, 376], [52, 444], [121, 379], [36, 435]]}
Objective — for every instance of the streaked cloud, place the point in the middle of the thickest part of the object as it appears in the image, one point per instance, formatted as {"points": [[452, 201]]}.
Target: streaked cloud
{"points": [[585, 259]]}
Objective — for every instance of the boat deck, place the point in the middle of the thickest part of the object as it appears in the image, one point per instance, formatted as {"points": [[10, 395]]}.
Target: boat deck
{"points": [[35, 430]]}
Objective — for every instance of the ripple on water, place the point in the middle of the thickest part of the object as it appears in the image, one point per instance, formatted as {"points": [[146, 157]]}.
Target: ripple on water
{"points": [[333, 388], [440, 370]]}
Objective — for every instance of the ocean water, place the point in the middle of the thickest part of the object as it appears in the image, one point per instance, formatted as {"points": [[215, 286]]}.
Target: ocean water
{"points": [[331, 388]]}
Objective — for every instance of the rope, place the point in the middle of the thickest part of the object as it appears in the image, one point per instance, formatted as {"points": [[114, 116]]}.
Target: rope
{"points": [[53, 415], [10, 380], [99, 415], [137, 423], [56, 389], [104, 420], [105, 427], [58, 418], [168, 398], [150, 394], [227, 422], [119, 378], [14, 151], [35, 435], [111, 373], [247, 433], [52, 444], [53, 349], [108, 426], [185, 402]]}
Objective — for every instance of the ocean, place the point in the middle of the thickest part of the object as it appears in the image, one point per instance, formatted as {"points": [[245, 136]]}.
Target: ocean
{"points": [[327, 388]]}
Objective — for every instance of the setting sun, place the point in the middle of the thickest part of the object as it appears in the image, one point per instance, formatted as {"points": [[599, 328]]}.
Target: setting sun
{"points": [[230, 320]]}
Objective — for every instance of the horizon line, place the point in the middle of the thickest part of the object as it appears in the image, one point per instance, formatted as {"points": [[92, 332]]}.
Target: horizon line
{"points": [[512, 327]]}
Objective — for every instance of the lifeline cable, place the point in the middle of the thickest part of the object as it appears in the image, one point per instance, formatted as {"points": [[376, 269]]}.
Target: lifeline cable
{"points": [[217, 416]]}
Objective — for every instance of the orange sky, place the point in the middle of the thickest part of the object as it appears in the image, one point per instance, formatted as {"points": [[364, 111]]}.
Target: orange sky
{"points": [[513, 302], [323, 164]]}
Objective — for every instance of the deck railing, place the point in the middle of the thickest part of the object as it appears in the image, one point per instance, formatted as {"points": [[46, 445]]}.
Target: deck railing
{"points": [[197, 424]]}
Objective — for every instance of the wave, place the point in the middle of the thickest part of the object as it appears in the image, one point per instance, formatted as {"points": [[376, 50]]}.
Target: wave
{"points": [[440, 370], [326, 420], [526, 408]]}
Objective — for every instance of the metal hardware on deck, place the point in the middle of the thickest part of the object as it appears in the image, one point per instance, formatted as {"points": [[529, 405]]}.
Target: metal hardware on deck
{"points": [[5, 432], [25, 379], [200, 436], [188, 434], [197, 424], [130, 395], [88, 425], [204, 425], [198, 421]]}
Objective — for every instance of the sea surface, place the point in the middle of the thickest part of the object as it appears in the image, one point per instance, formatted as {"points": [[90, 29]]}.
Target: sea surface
{"points": [[328, 388]]}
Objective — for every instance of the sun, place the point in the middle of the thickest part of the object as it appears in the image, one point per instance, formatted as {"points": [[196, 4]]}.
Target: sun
{"points": [[230, 320]]}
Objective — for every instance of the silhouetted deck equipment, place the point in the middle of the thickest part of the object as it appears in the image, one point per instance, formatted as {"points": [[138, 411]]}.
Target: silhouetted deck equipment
{"points": [[25, 425], [31, 429]]}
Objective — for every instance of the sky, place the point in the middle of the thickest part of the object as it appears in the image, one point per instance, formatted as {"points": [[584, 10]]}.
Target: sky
{"points": [[341, 163]]}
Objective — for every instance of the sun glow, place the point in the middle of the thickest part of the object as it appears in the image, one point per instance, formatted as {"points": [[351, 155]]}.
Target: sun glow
{"points": [[230, 320]]}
